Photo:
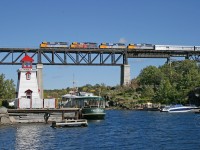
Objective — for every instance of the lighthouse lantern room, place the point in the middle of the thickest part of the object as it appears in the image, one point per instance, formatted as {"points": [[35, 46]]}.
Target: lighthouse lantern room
{"points": [[27, 87]]}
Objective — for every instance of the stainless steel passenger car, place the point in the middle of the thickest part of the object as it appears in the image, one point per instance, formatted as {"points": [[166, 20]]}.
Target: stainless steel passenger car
{"points": [[197, 48], [174, 47]]}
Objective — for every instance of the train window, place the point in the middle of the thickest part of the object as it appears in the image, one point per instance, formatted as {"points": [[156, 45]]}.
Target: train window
{"points": [[121, 44]]}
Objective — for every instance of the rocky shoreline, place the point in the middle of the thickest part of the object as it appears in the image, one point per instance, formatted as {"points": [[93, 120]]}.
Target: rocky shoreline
{"points": [[4, 116]]}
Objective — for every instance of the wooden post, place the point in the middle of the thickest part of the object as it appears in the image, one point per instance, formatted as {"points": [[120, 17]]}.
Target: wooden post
{"points": [[63, 115], [76, 115]]}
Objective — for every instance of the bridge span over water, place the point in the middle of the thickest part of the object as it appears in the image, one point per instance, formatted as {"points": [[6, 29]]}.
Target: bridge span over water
{"points": [[66, 56], [98, 57]]}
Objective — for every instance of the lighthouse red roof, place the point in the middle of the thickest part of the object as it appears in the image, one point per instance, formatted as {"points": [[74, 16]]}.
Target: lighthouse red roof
{"points": [[27, 58]]}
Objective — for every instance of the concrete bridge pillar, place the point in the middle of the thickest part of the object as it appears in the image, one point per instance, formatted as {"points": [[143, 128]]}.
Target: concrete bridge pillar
{"points": [[125, 75], [40, 79]]}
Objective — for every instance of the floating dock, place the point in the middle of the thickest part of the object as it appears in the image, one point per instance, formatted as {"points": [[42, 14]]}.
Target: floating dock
{"points": [[70, 123]]}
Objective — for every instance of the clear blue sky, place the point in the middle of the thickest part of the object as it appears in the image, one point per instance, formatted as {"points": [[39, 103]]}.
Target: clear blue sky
{"points": [[27, 23]]}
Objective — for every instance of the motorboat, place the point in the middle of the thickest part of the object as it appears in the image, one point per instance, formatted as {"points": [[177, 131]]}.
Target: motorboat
{"points": [[178, 108]]}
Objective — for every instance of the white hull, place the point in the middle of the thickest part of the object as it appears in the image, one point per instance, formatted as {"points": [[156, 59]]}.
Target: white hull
{"points": [[178, 109]]}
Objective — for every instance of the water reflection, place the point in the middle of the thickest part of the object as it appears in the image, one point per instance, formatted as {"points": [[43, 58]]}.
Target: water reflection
{"points": [[28, 136]]}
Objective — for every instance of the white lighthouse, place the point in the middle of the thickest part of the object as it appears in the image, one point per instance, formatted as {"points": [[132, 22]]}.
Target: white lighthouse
{"points": [[28, 93]]}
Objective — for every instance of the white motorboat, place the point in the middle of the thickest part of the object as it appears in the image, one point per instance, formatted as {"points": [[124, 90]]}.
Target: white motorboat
{"points": [[178, 108]]}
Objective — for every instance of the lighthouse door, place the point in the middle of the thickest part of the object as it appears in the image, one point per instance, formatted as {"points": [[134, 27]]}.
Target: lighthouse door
{"points": [[28, 94]]}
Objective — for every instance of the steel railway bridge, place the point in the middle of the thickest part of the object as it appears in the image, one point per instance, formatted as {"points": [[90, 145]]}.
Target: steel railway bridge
{"points": [[62, 56], [100, 57]]}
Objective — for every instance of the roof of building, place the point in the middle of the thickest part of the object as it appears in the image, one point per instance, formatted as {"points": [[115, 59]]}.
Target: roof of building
{"points": [[27, 58]]}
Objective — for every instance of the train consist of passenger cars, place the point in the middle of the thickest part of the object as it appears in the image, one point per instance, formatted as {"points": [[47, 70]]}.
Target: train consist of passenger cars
{"points": [[143, 46], [177, 48]]}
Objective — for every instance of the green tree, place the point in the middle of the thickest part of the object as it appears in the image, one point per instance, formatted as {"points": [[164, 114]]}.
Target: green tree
{"points": [[2, 78], [7, 88], [150, 75], [147, 92], [166, 93], [180, 78], [149, 79]]}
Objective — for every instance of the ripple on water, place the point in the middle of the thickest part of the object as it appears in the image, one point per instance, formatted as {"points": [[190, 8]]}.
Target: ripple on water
{"points": [[120, 130]]}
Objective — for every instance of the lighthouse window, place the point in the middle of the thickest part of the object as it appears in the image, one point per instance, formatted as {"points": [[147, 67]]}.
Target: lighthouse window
{"points": [[28, 64], [28, 76]]}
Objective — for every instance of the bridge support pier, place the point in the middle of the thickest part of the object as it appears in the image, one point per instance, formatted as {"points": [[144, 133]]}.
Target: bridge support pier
{"points": [[40, 79], [125, 75]]}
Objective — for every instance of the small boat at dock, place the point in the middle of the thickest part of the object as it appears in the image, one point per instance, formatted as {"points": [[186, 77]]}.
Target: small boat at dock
{"points": [[92, 107], [93, 112]]}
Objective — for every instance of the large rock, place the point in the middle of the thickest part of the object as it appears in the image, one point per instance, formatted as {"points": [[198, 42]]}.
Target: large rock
{"points": [[3, 110], [12, 119], [5, 119]]}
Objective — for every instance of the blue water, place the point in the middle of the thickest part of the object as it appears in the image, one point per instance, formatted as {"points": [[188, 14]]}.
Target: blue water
{"points": [[121, 130]]}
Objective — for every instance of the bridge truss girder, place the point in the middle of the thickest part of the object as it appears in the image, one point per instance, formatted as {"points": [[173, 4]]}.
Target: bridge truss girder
{"points": [[192, 55], [64, 56], [112, 57]]}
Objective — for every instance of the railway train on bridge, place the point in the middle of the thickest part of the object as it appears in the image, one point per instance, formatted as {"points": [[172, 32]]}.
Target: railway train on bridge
{"points": [[92, 45]]}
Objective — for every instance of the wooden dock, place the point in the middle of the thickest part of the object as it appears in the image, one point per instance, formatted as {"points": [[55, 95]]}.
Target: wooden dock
{"points": [[43, 115]]}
